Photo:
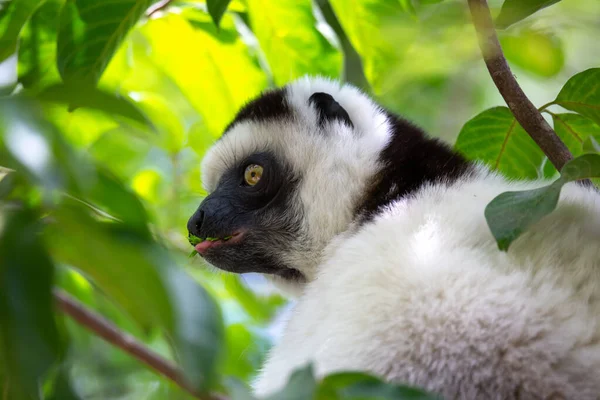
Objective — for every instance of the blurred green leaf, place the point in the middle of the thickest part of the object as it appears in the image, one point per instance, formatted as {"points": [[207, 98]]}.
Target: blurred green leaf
{"points": [[495, 137], [211, 68], [511, 213], [300, 386], [90, 97], [62, 389], [581, 94], [261, 309], [365, 23], [13, 16], [591, 145], [293, 46], [238, 390], [119, 262], [536, 52], [89, 34], [216, 9], [515, 10], [354, 385], [199, 334], [28, 334], [37, 47]]}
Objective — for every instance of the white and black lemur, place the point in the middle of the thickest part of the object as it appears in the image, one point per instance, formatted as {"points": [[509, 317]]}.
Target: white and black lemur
{"points": [[380, 232]]}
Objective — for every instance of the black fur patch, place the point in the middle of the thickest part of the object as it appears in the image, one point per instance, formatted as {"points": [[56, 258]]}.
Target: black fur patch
{"points": [[410, 160], [329, 109], [269, 105]]}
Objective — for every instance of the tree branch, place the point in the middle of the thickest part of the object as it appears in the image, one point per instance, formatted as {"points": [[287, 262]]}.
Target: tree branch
{"points": [[524, 111], [106, 330]]}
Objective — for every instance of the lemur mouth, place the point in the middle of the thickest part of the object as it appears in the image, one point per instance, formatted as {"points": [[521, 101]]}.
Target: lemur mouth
{"points": [[203, 244]]}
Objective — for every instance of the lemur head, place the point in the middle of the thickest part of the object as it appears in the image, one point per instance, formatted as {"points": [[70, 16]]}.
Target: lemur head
{"points": [[297, 167]]}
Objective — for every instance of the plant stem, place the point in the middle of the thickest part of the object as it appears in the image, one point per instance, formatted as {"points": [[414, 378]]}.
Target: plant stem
{"points": [[109, 332], [524, 111]]}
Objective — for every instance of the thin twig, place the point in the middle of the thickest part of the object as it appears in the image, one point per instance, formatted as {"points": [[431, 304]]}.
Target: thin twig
{"points": [[155, 8], [109, 332], [524, 111]]}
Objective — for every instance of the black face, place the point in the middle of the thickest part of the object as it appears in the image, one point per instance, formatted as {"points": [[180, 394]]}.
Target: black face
{"points": [[246, 223]]}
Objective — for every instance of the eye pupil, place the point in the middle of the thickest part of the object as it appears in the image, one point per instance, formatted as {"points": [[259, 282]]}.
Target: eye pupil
{"points": [[252, 174]]}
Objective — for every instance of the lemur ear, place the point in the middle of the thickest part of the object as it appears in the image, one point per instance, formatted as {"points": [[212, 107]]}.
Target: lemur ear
{"points": [[329, 109]]}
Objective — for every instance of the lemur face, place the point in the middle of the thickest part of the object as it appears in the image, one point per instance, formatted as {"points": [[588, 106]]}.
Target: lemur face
{"points": [[286, 177]]}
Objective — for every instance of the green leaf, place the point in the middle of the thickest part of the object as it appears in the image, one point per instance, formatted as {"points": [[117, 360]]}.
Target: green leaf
{"points": [[591, 145], [91, 97], [512, 213], [288, 36], [582, 167], [216, 9], [13, 16], [142, 279], [89, 34], [536, 52], [37, 47], [355, 385], [261, 309], [211, 68], [300, 386], [199, 333], [515, 10], [366, 23], [577, 132], [495, 137], [119, 263], [29, 339], [581, 94], [110, 195]]}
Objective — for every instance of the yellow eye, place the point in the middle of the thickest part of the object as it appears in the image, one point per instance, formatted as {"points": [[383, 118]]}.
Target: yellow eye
{"points": [[252, 174]]}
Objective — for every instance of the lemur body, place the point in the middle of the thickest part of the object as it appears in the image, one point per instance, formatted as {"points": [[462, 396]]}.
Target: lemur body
{"points": [[380, 232]]}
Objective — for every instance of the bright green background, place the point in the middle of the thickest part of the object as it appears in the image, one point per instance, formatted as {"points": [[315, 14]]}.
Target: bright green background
{"points": [[188, 78]]}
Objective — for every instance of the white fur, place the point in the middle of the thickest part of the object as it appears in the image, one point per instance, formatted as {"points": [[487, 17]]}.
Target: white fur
{"points": [[336, 166], [421, 295]]}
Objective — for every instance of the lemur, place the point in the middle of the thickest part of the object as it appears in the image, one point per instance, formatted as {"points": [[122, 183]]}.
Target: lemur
{"points": [[379, 230]]}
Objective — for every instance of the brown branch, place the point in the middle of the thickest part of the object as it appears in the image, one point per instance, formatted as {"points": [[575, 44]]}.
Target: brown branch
{"points": [[524, 111], [109, 332]]}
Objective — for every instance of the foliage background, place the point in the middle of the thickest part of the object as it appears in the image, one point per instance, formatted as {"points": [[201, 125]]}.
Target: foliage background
{"points": [[188, 77]]}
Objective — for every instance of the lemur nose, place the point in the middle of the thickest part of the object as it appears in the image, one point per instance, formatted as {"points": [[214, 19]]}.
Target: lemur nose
{"points": [[194, 224]]}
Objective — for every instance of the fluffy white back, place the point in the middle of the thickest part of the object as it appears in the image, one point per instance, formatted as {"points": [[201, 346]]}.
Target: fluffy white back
{"points": [[423, 296]]}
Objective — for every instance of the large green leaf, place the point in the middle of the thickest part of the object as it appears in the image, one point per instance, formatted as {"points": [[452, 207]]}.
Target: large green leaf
{"points": [[540, 53], [91, 97], [199, 334], [116, 260], [581, 94], [211, 68], [365, 23], [511, 213], [495, 137], [287, 33], [89, 34], [301, 385], [13, 16], [29, 339], [37, 47], [515, 10], [142, 279], [355, 385], [574, 130], [216, 9]]}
